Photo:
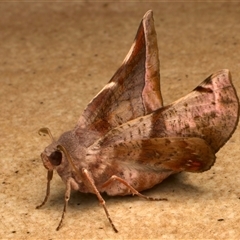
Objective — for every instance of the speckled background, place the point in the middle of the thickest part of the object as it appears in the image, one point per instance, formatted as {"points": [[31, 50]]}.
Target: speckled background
{"points": [[54, 57]]}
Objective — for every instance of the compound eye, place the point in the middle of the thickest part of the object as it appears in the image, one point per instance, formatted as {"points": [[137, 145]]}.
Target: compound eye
{"points": [[55, 158]]}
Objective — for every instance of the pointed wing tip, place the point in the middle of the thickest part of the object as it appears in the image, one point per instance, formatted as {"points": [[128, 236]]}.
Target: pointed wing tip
{"points": [[220, 72], [148, 14]]}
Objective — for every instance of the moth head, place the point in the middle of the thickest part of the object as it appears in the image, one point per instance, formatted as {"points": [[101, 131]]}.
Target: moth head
{"points": [[52, 159], [58, 153], [51, 156]]}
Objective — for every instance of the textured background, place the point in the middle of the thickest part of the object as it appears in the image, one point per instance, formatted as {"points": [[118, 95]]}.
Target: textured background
{"points": [[53, 59]]}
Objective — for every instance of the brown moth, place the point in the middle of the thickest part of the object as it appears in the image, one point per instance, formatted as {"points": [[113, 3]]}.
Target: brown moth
{"points": [[126, 141]]}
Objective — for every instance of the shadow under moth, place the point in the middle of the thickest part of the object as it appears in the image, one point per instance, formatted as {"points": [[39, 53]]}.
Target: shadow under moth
{"points": [[127, 141]]}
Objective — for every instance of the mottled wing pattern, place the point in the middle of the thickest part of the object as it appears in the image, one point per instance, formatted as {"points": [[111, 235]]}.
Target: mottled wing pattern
{"points": [[133, 91], [182, 136], [161, 154], [210, 112]]}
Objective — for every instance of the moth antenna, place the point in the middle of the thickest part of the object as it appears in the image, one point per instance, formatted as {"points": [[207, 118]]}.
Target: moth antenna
{"points": [[45, 131]]}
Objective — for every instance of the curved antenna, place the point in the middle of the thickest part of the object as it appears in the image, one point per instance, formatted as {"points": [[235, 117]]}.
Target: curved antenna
{"points": [[45, 131]]}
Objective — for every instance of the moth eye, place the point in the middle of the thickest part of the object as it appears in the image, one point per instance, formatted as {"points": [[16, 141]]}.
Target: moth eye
{"points": [[55, 158]]}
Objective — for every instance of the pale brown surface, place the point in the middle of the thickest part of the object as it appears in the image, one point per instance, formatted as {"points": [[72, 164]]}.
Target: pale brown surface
{"points": [[53, 59]]}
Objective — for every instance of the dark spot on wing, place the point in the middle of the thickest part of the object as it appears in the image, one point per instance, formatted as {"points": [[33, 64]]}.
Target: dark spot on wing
{"points": [[202, 89]]}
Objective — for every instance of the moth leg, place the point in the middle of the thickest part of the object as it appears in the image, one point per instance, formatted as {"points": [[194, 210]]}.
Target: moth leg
{"points": [[66, 199], [49, 178], [133, 190], [101, 200]]}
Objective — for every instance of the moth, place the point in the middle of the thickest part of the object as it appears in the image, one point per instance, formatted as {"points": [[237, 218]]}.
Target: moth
{"points": [[127, 141]]}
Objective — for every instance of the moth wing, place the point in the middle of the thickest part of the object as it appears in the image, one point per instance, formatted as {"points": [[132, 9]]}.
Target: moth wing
{"points": [[134, 89], [210, 112], [161, 154]]}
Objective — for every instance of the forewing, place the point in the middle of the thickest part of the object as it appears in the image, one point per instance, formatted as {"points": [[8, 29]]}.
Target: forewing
{"points": [[133, 91], [159, 154], [210, 112]]}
